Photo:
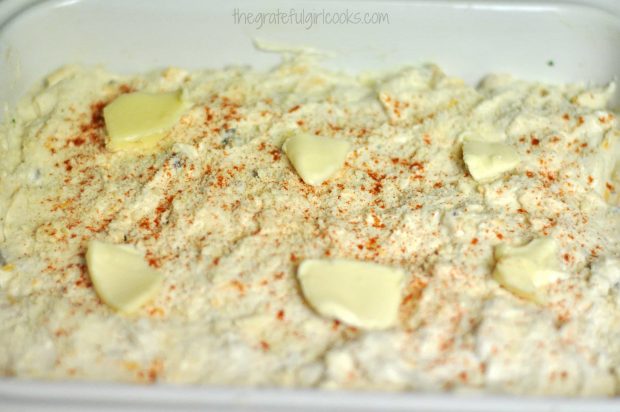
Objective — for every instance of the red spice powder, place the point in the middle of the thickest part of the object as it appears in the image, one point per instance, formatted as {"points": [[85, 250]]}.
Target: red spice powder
{"points": [[280, 315], [275, 154]]}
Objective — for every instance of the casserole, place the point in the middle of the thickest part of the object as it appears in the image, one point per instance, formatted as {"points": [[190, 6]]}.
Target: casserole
{"points": [[579, 60]]}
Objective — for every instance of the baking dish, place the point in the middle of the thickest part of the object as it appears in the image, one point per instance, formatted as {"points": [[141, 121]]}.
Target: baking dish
{"points": [[552, 41]]}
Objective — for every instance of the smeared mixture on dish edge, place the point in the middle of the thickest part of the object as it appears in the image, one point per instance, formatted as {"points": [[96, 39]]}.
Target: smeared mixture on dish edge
{"points": [[219, 210]]}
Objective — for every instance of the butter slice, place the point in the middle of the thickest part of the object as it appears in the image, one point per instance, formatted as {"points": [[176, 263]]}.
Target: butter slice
{"points": [[486, 161], [315, 158], [121, 276], [524, 270], [139, 120], [361, 294]]}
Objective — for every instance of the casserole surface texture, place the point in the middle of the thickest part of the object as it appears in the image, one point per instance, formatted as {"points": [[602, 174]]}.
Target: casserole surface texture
{"points": [[220, 211]]}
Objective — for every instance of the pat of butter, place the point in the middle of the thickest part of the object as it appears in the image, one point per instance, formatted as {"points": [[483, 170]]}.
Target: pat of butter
{"points": [[487, 161], [524, 270], [361, 294], [139, 120], [315, 158], [121, 276]]}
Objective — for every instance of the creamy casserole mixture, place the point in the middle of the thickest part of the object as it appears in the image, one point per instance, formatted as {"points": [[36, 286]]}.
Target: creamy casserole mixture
{"points": [[218, 209]]}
